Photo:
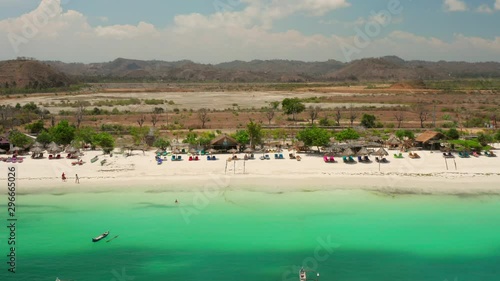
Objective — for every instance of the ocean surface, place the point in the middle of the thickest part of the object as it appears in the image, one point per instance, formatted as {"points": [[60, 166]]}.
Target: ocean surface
{"points": [[244, 235]]}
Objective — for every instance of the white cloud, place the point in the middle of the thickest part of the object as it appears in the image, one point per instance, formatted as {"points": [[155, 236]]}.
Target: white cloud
{"points": [[223, 36], [455, 5], [485, 9]]}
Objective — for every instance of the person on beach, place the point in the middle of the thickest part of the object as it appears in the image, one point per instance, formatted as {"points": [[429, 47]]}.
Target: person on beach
{"points": [[63, 177], [77, 179]]}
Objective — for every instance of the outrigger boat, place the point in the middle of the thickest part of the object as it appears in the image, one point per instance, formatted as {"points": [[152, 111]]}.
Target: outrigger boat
{"points": [[100, 237]]}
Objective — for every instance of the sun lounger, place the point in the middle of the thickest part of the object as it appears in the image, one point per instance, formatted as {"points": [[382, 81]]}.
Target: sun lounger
{"points": [[475, 154], [276, 156], [159, 161], [281, 156], [179, 158], [51, 157], [190, 158], [214, 158], [366, 159], [384, 160], [399, 156], [360, 159], [325, 158], [292, 156], [298, 157], [331, 159], [351, 160], [196, 158]]}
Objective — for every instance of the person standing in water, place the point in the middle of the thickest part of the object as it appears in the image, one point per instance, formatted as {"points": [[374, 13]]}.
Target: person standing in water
{"points": [[77, 179]]}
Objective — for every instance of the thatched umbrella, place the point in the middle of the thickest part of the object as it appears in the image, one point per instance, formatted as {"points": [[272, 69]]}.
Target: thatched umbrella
{"points": [[193, 151], [37, 144], [248, 150], [381, 152], [176, 151], [159, 151], [393, 141], [348, 152], [37, 150], [232, 150], [2, 150], [212, 151], [363, 152], [72, 149]]}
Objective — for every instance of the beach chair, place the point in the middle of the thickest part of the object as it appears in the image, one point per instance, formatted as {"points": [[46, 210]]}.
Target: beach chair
{"points": [[51, 157], [366, 159], [196, 158], [475, 154], [351, 160], [384, 160], [214, 158], [276, 156], [190, 158], [360, 159], [331, 159], [173, 158], [267, 157], [344, 158], [159, 161], [291, 156], [179, 158], [209, 158], [281, 156], [325, 158], [298, 157]]}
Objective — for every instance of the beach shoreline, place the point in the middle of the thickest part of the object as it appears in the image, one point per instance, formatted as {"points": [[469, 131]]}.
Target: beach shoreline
{"points": [[428, 175]]}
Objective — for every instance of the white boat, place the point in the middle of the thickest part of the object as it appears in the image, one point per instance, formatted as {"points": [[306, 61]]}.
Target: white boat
{"points": [[302, 275], [100, 237]]}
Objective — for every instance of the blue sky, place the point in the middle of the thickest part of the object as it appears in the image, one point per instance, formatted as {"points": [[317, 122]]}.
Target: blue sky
{"points": [[252, 29]]}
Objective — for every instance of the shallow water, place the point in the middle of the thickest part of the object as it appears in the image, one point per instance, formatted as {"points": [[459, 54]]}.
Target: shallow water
{"points": [[241, 235]]}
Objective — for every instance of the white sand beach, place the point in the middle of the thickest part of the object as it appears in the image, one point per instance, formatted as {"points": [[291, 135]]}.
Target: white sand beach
{"points": [[431, 174]]}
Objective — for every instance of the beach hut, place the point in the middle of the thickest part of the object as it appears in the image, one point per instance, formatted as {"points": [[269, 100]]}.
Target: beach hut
{"points": [[430, 140], [224, 142]]}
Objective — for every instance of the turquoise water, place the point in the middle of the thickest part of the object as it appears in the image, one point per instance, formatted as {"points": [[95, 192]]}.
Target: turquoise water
{"points": [[256, 236]]}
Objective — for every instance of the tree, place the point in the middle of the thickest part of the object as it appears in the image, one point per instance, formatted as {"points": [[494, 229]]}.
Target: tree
{"points": [[63, 132], [402, 134], [203, 116], [205, 138], [485, 139], [161, 143], [497, 135], [314, 136], [274, 105], [79, 114], [338, 117], [254, 133], [86, 135], [292, 106], [241, 137], [36, 127], [314, 113], [269, 114], [44, 138], [352, 115], [422, 112], [347, 134], [105, 141], [154, 118], [191, 138], [19, 139], [400, 116], [452, 134], [139, 134], [368, 120], [141, 121]]}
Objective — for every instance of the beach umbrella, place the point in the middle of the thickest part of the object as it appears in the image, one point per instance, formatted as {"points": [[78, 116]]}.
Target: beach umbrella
{"points": [[211, 151], [232, 150], [348, 152], [176, 151], [160, 150], [37, 150], [71, 149], [37, 144], [193, 151], [248, 150], [2, 150], [363, 152], [381, 152]]}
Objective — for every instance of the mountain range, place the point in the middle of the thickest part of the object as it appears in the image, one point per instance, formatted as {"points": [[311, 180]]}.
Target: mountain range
{"points": [[387, 69]]}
